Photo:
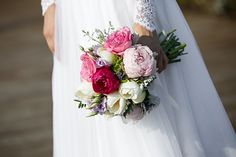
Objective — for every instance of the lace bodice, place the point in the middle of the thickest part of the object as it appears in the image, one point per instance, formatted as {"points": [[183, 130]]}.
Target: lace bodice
{"points": [[144, 13]]}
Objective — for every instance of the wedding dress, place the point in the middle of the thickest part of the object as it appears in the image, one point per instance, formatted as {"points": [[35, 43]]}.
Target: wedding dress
{"points": [[190, 120]]}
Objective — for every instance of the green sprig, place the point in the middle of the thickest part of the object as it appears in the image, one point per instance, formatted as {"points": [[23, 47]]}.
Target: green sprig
{"points": [[80, 104], [129, 108], [172, 47]]}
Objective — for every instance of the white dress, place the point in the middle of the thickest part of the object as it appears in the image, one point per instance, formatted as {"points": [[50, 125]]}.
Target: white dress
{"points": [[189, 122]]}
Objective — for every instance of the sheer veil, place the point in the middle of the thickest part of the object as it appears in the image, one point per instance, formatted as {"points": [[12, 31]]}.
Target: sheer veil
{"points": [[201, 98]]}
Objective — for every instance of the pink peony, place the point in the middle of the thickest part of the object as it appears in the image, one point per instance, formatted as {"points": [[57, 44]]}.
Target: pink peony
{"points": [[138, 61], [119, 41], [88, 67], [105, 81]]}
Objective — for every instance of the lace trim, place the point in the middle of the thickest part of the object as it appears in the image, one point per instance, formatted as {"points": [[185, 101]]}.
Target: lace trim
{"points": [[145, 14], [45, 4]]}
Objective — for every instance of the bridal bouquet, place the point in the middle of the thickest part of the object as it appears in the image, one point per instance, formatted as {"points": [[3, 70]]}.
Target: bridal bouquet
{"points": [[116, 73]]}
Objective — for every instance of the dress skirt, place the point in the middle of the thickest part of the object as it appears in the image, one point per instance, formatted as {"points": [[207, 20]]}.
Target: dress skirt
{"points": [[190, 120]]}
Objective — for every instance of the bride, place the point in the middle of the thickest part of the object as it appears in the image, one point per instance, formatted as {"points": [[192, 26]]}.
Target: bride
{"points": [[190, 120]]}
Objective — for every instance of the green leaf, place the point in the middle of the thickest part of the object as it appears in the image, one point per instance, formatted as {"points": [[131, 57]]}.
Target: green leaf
{"points": [[129, 108], [80, 104], [93, 105], [117, 65], [172, 47], [82, 48], [92, 114], [90, 49]]}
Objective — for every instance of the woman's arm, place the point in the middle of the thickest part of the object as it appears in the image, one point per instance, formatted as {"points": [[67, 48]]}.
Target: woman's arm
{"points": [[46, 4], [144, 25], [49, 7]]}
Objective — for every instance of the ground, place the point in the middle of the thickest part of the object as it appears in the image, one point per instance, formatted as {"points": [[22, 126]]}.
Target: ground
{"points": [[25, 73]]}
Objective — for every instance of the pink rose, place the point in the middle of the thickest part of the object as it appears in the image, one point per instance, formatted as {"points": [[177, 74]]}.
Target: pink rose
{"points": [[105, 81], [88, 67], [119, 41], [138, 61]]}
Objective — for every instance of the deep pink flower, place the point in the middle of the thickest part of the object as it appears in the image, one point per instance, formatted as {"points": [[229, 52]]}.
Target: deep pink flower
{"points": [[105, 81]]}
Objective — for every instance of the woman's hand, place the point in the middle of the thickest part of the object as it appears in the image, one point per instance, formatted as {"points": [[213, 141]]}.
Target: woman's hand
{"points": [[151, 40], [49, 27]]}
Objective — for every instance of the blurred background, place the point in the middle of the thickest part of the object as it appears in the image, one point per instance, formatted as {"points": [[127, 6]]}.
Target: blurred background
{"points": [[26, 65]]}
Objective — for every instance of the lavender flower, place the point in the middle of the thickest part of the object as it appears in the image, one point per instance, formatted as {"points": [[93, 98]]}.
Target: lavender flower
{"points": [[120, 75], [101, 63], [137, 113], [102, 107], [96, 48]]}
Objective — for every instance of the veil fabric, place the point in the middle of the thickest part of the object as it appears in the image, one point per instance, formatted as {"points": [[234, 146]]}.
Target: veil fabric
{"points": [[190, 121]]}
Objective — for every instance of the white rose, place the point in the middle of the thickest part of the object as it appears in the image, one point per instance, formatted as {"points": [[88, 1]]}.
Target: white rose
{"points": [[85, 91], [116, 104], [105, 55], [140, 98], [131, 90]]}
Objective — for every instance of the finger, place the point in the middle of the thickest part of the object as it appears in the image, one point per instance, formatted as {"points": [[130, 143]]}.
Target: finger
{"points": [[159, 64], [165, 61]]}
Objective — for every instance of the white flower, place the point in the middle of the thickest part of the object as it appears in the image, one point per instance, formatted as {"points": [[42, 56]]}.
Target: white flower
{"points": [[105, 55], [140, 98], [131, 90], [116, 104], [85, 91]]}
